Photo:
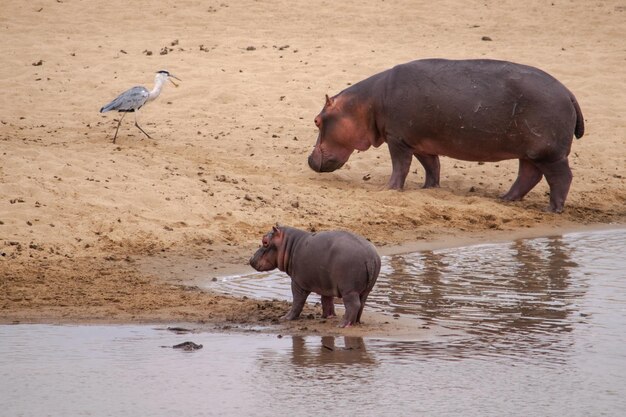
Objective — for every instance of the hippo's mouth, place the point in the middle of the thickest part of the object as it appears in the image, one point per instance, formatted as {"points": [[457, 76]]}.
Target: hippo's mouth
{"points": [[320, 164]]}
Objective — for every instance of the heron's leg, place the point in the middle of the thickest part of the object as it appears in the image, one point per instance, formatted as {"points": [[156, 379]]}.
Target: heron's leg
{"points": [[139, 127], [118, 126]]}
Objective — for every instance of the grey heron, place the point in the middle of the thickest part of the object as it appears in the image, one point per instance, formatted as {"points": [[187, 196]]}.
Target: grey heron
{"points": [[132, 100]]}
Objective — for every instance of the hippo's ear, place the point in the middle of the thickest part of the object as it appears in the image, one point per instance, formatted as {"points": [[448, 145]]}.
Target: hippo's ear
{"points": [[277, 233], [329, 101]]}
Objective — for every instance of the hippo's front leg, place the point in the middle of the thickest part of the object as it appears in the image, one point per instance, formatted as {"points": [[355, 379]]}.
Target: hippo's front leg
{"points": [[432, 168], [299, 298], [401, 157], [328, 306]]}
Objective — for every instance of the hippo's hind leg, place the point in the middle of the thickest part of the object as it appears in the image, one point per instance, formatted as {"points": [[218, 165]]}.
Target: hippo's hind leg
{"points": [[559, 177], [299, 298], [328, 306], [352, 303], [363, 299], [528, 176], [432, 167]]}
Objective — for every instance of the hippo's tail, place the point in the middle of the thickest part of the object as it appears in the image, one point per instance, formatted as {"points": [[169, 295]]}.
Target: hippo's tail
{"points": [[579, 131]]}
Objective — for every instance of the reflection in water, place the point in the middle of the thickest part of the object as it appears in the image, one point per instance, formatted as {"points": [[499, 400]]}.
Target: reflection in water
{"points": [[513, 299], [311, 358], [330, 353]]}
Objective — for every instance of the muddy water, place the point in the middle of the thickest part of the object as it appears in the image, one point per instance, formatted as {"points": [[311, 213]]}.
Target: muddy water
{"points": [[541, 331]]}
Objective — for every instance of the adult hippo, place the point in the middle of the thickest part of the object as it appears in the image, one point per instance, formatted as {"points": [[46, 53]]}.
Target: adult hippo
{"points": [[331, 263], [474, 110]]}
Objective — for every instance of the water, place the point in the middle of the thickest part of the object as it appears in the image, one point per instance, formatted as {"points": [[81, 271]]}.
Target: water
{"points": [[541, 332]]}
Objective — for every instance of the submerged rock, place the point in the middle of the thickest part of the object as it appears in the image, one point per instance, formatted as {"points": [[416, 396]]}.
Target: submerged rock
{"points": [[187, 346]]}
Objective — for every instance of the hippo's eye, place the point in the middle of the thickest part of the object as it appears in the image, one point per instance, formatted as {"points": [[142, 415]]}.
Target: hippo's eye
{"points": [[318, 121]]}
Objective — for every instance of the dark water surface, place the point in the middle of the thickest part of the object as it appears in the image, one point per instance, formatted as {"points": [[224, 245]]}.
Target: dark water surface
{"points": [[541, 332]]}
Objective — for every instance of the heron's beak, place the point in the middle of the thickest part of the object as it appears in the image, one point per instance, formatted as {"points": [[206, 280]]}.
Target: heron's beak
{"points": [[173, 76]]}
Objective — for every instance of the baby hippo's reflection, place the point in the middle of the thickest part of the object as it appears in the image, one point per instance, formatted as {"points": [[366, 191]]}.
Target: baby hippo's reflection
{"points": [[329, 351]]}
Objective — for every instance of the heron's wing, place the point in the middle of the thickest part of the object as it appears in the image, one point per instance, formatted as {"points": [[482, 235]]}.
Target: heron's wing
{"points": [[129, 100]]}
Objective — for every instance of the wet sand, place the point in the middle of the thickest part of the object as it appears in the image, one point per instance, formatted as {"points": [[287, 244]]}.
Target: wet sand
{"points": [[92, 231]]}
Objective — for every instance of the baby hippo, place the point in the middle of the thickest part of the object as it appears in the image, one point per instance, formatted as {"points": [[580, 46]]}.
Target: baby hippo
{"points": [[332, 264]]}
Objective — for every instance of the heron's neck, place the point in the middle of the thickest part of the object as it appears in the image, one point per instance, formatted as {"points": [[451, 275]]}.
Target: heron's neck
{"points": [[156, 90]]}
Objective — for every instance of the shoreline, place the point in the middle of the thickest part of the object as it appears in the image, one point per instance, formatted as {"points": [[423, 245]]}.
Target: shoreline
{"points": [[377, 325]]}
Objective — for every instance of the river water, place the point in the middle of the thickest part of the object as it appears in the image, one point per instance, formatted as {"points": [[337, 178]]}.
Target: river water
{"points": [[539, 329]]}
